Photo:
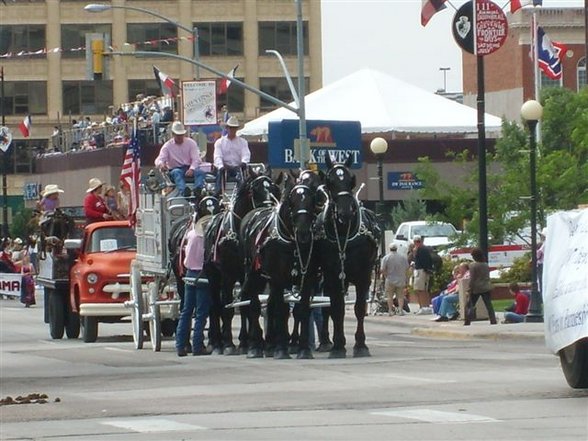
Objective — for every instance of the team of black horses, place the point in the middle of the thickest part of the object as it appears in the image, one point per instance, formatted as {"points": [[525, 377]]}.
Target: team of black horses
{"points": [[294, 234]]}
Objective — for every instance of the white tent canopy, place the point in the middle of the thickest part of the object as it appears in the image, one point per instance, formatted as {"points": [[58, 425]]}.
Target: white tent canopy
{"points": [[382, 104]]}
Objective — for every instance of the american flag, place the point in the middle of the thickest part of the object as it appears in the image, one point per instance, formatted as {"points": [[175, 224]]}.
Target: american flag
{"points": [[131, 175]]}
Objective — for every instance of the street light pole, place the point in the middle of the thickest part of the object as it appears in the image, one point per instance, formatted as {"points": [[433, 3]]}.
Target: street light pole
{"points": [[379, 147], [4, 162], [531, 112], [444, 70]]}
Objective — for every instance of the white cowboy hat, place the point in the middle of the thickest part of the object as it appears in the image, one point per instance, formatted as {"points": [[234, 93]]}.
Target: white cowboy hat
{"points": [[94, 183], [233, 122], [178, 128], [51, 189]]}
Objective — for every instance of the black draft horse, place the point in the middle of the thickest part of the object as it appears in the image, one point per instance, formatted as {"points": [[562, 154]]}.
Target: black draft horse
{"points": [[224, 260], [278, 248], [348, 237], [54, 226]]}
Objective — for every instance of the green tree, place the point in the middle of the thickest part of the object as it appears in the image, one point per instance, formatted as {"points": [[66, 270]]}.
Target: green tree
{"points": [[21, 224], [409, 209], [562, 171]]}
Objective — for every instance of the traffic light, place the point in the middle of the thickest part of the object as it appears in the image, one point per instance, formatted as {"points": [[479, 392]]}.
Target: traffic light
{"points": [[96, 61], [97, 58]]}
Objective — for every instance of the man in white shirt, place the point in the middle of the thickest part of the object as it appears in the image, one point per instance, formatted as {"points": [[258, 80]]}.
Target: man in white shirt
{"points": [[394, 271], [231, 155]]}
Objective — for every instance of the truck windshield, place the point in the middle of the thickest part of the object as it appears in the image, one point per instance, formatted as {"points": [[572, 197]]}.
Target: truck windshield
{"points": [[111, 239], [434, 230]]}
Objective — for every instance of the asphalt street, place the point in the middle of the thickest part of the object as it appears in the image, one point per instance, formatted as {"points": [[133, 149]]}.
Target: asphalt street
{"points": [[424, 381]]}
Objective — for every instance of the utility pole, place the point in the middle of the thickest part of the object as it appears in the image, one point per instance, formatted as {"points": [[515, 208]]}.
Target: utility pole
{"points": [[4, 162]]}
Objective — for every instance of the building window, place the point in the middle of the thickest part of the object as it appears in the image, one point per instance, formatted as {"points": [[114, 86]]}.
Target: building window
{"points": [[20, 156], [153, 37], [278, 88], [281, 36], [87, 97], [22, 38], [548, 82], [73, 38], [582, 80], [234, 98], [222, 39], [25, 97], [144, 87]]}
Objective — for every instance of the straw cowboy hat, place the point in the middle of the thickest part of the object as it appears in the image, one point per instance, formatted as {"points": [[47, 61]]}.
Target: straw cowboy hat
{"points": [[94, 183], [233, 122], [178, 128], [51, 189]]}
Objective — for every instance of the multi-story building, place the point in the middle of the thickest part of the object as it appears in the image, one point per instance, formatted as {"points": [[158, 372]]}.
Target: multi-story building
{"points": [[509, 75], [47, 74]]}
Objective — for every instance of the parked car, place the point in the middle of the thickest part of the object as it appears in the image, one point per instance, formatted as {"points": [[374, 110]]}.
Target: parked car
{"points": [[436, 235]]}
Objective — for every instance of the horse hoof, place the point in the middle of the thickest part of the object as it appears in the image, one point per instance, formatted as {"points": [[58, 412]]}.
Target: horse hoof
{"points": [[230, 350], [269, 353], [255, 353], [243, 350], [293, 349], [325, 347], [281, 354], [217, 351], [361, 352], [304, 354], [338, 353]]}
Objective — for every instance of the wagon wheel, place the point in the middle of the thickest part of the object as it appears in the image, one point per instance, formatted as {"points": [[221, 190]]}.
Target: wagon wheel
{"points": [[155, 317], [136, 305]]}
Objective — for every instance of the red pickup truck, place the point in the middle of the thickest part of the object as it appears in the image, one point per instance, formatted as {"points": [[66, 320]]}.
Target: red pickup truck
{"points": [[88, 283]]}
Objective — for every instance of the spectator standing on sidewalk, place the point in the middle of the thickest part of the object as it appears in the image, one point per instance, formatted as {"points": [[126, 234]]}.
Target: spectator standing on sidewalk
{"points": [[521, 305], [394, 271], [480, 286], [423, 268]]}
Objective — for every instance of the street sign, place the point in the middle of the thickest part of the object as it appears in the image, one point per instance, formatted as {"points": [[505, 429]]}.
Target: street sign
{"points": [[5, 138], [480, 27], [335, 138]]}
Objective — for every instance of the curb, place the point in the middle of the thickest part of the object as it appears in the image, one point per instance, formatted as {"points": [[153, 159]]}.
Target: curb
{"points": [[468, 335]]}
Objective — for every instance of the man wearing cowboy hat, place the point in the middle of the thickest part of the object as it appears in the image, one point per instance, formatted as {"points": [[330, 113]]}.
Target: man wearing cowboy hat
{"points": [[181, 157], [231, 154], [50, 198], [95, 207]]}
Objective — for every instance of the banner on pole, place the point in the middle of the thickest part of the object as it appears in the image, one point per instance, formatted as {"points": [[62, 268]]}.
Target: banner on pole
{"points": [[199, 103]]}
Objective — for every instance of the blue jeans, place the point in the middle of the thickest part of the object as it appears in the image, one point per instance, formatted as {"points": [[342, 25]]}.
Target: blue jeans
{"points": [[448, 304], [225, 173], [513, 317], [178, 176], [195, 298]]}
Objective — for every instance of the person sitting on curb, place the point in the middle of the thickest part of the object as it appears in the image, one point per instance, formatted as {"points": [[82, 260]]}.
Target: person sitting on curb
{"points": [[521, 305], [448, 307]]}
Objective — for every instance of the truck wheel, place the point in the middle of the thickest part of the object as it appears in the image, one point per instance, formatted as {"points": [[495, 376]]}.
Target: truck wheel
{"points": [[89, 329], [56, 315], [72, 327], [574, 363], [137, 304]]}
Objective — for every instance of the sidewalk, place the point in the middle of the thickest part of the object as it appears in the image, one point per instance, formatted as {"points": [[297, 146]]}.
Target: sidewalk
{"points": [[425, 326]]}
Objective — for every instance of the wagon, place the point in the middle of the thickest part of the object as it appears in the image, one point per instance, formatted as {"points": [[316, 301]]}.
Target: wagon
{"points": [[154, 300]]}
